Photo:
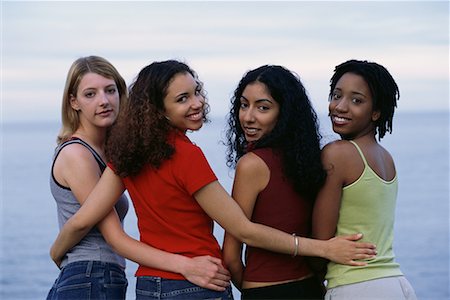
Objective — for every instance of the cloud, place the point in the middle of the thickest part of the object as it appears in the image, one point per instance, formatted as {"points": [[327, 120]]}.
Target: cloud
{"points": [[221, 41]]}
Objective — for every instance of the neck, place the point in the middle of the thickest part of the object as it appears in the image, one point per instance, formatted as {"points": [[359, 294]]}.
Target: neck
{"points": [[94, 137]]}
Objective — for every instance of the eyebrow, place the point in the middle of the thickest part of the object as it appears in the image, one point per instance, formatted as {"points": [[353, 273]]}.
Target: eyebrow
{"points": [[353, 92], [181, 95], [187, 93], [259, 100]]}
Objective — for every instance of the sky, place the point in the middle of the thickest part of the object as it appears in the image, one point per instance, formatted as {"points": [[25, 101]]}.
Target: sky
{"points": [[221, 41]]}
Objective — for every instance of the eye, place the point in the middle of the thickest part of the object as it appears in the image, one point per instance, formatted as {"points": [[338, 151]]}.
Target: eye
{"points": [[243, 105], [89, 94], [111, 90], [356, 100], [335, 96], [182, 99], [263, 108]]}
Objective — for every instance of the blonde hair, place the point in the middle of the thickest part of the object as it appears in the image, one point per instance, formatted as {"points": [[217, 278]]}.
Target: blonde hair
{"points": [[80, 67]]}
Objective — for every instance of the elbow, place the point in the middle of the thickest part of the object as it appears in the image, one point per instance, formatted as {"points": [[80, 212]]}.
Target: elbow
{"points": [[246, 233], [78, 226]]}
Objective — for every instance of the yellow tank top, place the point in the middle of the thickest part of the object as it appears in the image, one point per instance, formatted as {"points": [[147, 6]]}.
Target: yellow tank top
{"points": [[367, 206]]}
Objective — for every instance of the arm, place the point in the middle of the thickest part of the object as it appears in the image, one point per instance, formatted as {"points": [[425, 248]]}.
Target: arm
{"points": [[328, 201], [326, 209], [251, 176], [99, 203], [216, 202], [205, 271]]}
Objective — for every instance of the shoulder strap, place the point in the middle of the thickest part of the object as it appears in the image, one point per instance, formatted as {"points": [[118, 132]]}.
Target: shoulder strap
{"points": [[75, 140], [360, 152]]}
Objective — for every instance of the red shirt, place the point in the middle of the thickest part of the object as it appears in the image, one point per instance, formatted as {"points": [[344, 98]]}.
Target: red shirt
{"points": [[169, 217], [280, 207]]}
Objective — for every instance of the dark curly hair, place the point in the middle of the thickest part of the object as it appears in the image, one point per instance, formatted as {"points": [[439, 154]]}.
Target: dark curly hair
{"points": [[140, 135], [296, 135], [382, 86]]}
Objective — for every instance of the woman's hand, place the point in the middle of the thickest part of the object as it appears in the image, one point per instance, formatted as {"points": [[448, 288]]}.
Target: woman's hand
{"points": [[346, 250], [207, 272]]}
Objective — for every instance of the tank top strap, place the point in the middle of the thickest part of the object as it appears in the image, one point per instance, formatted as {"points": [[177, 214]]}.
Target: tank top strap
{"points": [[94, 153], [360, 152]]}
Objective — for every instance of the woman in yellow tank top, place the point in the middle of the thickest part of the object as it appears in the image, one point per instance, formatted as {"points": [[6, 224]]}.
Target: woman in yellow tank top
{"points": [[360, 191]]}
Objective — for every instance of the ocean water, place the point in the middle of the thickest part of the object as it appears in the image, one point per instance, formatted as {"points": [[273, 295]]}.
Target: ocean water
{"points": [[419, 145]]}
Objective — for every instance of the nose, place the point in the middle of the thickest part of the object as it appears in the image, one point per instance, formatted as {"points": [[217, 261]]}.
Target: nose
{"points": [[342, 105], [248, 115], [104, 100], [198, 102]]}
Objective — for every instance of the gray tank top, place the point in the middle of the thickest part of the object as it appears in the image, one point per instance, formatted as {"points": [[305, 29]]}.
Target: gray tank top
{"points": [[93, 246]]}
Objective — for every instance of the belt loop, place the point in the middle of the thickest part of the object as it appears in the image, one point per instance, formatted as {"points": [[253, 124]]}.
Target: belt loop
{"points": [[159, 286], [89, 268]]}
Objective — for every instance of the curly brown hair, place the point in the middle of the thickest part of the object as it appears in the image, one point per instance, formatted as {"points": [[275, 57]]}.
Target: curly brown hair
{"points": [[140, 134]]}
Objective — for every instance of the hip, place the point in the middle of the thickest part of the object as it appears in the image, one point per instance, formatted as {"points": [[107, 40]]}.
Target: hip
{"points": [[152, 287], [90, 280]]}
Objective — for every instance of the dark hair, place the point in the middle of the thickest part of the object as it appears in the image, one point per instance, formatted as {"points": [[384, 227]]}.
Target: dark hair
{"points": [[382, 86], [140, 135], [296, 134]]}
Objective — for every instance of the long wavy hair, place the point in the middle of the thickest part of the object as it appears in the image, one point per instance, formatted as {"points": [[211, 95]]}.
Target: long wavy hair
{"points": [[382, 85], [80, 67], [140, 135], [296, 135]]}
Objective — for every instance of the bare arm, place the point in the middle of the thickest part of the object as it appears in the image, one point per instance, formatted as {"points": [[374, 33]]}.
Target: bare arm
{"points": [[95, 207], [251, 176], [221, 207], [328, 201], [204, 271]]}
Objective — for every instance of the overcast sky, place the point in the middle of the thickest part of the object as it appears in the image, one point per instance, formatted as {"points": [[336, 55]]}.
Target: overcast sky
{"points": [[221, 41]]}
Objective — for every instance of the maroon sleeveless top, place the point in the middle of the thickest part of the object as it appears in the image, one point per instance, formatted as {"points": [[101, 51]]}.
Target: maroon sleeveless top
{"points": [[280, 207]]}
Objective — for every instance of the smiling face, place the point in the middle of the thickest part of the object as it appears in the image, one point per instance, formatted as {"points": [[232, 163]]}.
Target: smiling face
{"points": [[97, 100], [351, 107], [184, 103], [258, 112]]}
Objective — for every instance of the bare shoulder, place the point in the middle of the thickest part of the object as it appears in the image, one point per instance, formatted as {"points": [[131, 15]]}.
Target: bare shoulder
{"points": [[252, 167], [387, 157], [76, 154], [338, 151], [251, 172], [251, 162]]}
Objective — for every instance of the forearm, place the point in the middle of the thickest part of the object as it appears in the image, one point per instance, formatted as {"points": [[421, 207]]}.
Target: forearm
{"points": [[236, 269], [137, 251], [232, 258], [146, 255], [69, 236]]}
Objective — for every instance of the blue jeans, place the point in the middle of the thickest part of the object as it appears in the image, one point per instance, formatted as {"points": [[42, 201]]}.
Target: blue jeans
{"points": [[89, 280], [149, 287]]}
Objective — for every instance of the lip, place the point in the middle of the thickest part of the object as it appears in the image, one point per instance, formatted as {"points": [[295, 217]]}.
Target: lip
{"points": [[251, 131], [340, 120], [197, 116], [105, 113]]}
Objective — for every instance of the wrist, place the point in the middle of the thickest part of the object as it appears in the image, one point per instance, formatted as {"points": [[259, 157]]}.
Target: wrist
{"points": [[325, 249], [180, 264]]}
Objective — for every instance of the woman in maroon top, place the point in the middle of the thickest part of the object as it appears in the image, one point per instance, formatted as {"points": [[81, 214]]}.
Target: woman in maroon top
{"points": [[274, 143]]}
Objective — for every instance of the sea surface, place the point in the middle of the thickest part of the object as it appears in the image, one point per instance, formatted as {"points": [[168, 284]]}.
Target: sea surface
{"points": [[419, 145]]}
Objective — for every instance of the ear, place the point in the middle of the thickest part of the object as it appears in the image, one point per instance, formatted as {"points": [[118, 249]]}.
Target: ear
{"points": [[74, 102], [376, 115]]}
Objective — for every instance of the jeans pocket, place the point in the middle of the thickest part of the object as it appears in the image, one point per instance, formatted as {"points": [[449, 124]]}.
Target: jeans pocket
{"points": [[117, 287], [74, 291]]}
